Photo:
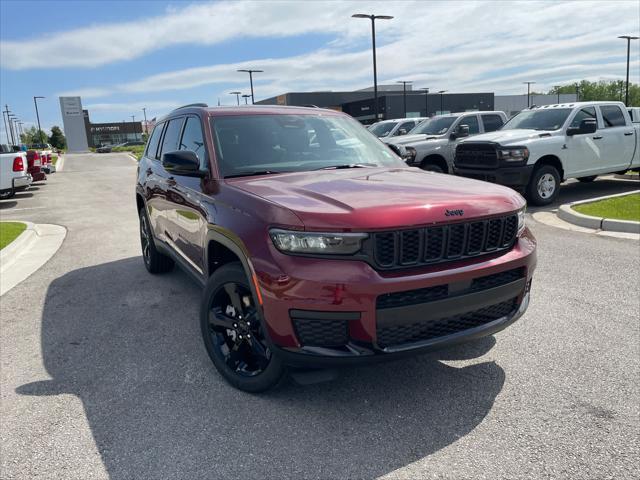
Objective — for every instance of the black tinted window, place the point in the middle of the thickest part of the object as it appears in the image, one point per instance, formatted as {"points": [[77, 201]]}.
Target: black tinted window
{"points": [[472, 121], [583, 114], [407, 126], [154, 140], [192, 139], [612, 116], [170, 141], [492, 122]]}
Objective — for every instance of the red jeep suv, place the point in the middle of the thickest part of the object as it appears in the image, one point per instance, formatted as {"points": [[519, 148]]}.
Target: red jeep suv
{"points": [[317, 246]]}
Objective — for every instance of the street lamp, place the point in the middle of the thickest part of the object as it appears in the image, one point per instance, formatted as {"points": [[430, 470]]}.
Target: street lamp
{"points": [[441, 101], [14, 134], [557, 87], [628, 38], [35, 102], [426, 101], [246, 97], [251, 72], [528, 92], [6, 128], [237, 94], [373, 19], [404, 94], [146, 127], [133, 121]]}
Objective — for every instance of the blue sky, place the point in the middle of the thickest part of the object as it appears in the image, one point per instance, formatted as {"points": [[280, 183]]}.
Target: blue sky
{"points": [[120, 56]]}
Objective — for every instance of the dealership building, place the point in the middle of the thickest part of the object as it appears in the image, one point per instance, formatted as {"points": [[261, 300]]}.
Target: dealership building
{"points": [[112, 133]]}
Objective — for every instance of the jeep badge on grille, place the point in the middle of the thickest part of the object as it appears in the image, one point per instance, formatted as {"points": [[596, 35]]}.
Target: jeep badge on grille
{"points": [[454, 213]]}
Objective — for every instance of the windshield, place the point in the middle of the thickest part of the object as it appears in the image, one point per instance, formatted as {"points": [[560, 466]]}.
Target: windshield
{"points": [[551, 119], [382, 129], [247, 144], [436, 126]]}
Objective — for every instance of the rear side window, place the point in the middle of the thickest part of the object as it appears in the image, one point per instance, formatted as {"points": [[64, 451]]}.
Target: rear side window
{"points": [[612, 116], [192, 139], [170, 140], [583, 114], [472, 122], [492, 122], [407, 126], [154, 140]]}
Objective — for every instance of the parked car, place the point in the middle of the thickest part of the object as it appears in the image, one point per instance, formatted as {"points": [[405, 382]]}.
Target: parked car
{"points": [[107, 148], [387, 129], [45, 151], [13, 172], [431, 145], [35, 166], [313, 254], [541, 147]]}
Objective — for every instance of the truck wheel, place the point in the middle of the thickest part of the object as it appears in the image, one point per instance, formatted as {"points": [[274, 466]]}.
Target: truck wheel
{"points": [[431, 167], [155, 261], [544, 185], [233, 334], [7, 194], [588, 179]]}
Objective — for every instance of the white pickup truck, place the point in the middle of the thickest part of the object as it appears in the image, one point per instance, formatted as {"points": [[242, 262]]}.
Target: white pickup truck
{"points": [[432, 144], [13, 172], [541, 147]]}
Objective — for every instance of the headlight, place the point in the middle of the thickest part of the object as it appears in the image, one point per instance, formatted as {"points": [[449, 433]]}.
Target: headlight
{"points": [[410, 156], [317, 243], [513, 155], [521, 221]]}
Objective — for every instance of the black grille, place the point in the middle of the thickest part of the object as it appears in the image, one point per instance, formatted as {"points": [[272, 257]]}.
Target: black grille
{"points": [[398, 335], [496, 280], [476, 155], [321, 333], [445, 243], [412, 297]]}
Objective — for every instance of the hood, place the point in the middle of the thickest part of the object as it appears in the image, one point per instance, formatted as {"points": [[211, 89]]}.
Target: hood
{"points": [[379, 198], [409, 139], [506, 137]]}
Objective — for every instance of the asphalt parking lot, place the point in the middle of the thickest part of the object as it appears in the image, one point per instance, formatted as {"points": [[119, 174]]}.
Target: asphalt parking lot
{"points": [[104, 375]]}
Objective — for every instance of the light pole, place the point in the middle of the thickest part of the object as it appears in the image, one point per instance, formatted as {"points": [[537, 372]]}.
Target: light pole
{"points": [[557, 87], [133, 126], [251, 72], [6, 128], [246, 99], [426, 101], [529, 92], [628, 38], [237, 94], [441, 101], [35, 102], [146, 128], [373, 19], [14, 126], [404, 94], [9, 123], [14, 135]]}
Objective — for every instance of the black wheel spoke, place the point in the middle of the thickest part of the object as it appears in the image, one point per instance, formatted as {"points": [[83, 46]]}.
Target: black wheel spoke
{"points": [[218, 319], [234, 296]]}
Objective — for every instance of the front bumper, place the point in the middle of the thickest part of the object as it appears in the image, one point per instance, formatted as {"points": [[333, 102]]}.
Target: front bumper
{"points": [[304, 297], [514, 177], [21, 182]]}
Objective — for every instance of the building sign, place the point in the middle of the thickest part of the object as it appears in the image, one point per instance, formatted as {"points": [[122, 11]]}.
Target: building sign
{"points": [[112, 128], [71, 106]]}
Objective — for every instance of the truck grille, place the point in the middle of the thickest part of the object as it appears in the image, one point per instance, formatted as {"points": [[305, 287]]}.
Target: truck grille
{"points": [[439, 244], [415, 332], [476, 155]]}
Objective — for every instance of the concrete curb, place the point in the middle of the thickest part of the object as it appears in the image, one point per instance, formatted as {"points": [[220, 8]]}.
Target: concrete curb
{"points": [[568, 214], [627, 177], [27, 253], [132, 157]]}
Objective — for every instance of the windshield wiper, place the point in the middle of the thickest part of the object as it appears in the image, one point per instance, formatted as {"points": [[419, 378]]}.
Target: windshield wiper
{"points": [[347, 165], [258, 172]]}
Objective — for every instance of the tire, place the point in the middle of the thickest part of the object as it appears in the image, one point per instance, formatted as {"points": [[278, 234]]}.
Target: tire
{"points": [[588, 179], [6, 195], [154, 261], [234, 335], [544, 185], [430, 166]]}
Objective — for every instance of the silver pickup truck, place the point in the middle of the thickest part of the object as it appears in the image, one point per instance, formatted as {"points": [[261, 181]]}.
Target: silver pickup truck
{"points": [[432, 144]]}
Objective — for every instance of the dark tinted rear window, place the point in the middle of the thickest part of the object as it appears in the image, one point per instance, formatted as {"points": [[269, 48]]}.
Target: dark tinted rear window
{"points": [[171, 135], [154, 140], [492, 122], [612, 116]]}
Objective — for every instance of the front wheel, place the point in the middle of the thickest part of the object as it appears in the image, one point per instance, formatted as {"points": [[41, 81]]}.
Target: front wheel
{"points": [[431, 167], [544, 185], [233, 334], [588, 179]]}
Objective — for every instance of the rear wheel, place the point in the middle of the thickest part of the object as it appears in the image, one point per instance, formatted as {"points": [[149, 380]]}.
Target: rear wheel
{"points": [[588, 179], [155, 261], [544, 185], [7, 194], [233, 334]]}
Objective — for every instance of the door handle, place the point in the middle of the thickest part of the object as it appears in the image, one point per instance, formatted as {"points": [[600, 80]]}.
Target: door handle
{"points": [[149, 171], [626, 134], [171, 182], [597, 137]]}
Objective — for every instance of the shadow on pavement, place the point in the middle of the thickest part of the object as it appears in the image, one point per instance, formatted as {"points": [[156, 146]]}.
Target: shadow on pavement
{"points": [[7, 204], [128, 345], [574, 191]]}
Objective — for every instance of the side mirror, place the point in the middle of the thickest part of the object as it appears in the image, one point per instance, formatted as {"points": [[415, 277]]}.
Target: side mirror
{"points": [[588, 125], [399, 150], [461, 132], [182, 162], [401, 131]]}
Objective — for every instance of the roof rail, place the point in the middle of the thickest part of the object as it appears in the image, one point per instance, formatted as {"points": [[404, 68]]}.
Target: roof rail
{"points": [[191, 105]]}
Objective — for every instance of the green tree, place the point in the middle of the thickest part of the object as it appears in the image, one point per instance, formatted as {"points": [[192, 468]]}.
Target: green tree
{"points": [[611, 90], [57, 138], [33, 135]]}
